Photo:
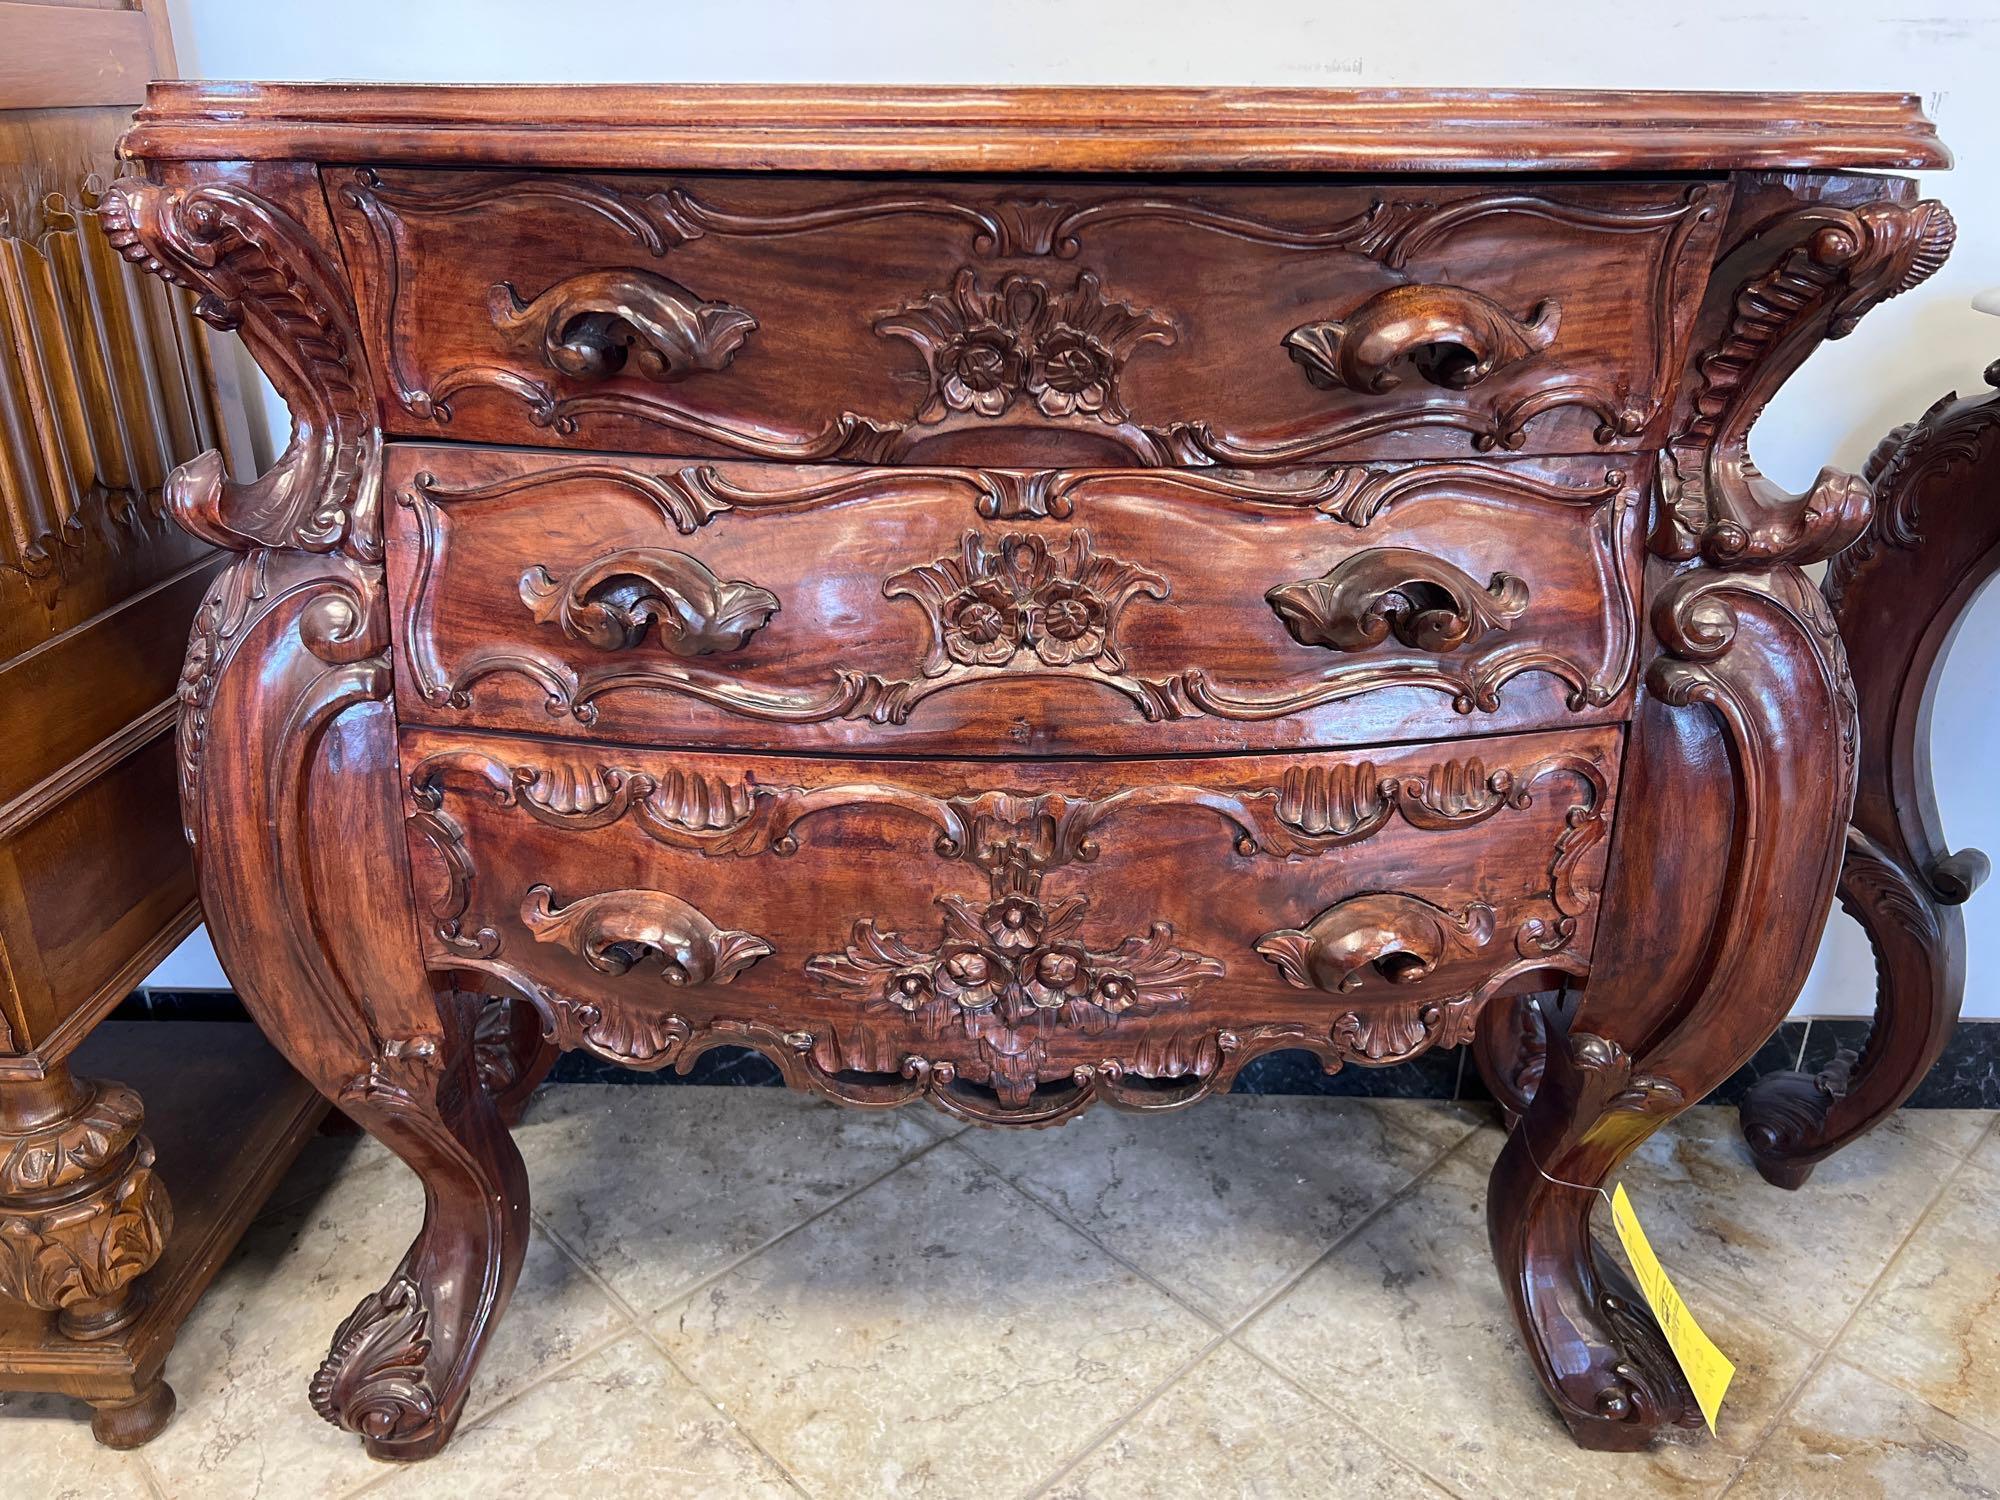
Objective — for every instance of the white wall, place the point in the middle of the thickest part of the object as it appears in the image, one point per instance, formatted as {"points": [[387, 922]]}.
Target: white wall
{"points": [[1904, 355]]}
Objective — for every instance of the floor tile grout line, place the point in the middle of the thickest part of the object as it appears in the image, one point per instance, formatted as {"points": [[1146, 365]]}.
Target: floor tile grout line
{"points": [[643, 1325], [709, 1278], [1744, 1294], [1822, 1354], [1125, 1419], [1287, 1287], [154, 1483], [1075, 1228], [635, 1328], [737, 1424], [1217, 1323], [553, 1373], [638, 1324], [1327, 1403]]}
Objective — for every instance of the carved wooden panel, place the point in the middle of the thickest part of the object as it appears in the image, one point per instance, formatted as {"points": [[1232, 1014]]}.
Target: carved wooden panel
{"points": [[959, 321], [1041, 611], [1011, 940]]}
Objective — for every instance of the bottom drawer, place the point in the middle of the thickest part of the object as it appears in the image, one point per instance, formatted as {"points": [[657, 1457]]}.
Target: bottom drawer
{"points": [[1012, 940]]}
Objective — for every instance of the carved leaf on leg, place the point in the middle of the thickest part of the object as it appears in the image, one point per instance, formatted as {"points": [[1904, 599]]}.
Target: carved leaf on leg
{"points": [[615, 931], [375, 1379], [1429, 604], [610, 601], [1452, 336], [592, 325]]}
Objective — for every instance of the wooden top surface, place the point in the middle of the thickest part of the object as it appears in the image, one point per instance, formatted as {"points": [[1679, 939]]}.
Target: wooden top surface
{"points": [[688, 127]]}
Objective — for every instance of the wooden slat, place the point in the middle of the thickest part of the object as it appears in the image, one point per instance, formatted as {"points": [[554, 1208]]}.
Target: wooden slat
{"points": [[61, 57]]}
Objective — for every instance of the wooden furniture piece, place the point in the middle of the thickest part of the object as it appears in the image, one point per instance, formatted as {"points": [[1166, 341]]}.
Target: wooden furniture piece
{"points": [[106, 384], [1899, 594], [1018, 599]]}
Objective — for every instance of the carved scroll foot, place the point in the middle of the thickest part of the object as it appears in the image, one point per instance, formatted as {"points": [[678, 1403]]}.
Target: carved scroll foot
{"points": [[1600, 1355], [1793, 1121], [82, 1214], [133, 1423], [401, 1364]]}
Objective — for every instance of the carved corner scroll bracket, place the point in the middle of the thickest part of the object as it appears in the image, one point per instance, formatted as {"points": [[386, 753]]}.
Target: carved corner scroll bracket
{"points": [[261, 273], [1807, 275]]}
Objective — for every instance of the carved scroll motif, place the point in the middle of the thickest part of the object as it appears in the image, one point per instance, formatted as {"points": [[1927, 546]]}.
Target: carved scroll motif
{"points": [[617, 931], [593, 325], [1020, 603], [1453, 337], [1014, 976], [1808, 275], [611, 601], [974, 351], [1428, 603]]}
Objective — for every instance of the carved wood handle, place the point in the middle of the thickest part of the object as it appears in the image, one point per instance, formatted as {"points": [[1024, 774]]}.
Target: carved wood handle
{"points": [[610, 601], [1453, 336], [616, 931], [589, 326], [1383, 937], [1429, 604]]}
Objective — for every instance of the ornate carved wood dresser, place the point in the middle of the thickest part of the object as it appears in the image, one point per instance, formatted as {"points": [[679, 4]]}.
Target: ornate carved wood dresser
{"points": [[1016, 600]]}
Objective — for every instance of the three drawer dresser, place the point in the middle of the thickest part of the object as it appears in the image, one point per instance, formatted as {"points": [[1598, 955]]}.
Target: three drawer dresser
{"points": [[1016, 600]]}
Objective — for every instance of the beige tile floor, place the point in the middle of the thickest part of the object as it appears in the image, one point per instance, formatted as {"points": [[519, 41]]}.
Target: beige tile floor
{"points": [[741, 1292]]}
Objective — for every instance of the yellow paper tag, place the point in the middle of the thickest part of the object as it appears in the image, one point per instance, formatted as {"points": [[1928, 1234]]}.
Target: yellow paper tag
{"points": [[1707, 1368]]}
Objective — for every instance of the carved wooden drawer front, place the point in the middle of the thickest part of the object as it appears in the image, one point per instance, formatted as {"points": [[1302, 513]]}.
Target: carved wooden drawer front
{"points": [[1024, 611], [1001, 935], [944, 322]]}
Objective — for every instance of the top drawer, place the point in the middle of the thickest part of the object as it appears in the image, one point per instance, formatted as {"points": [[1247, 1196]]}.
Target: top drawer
{"points": [[1046, 322]]}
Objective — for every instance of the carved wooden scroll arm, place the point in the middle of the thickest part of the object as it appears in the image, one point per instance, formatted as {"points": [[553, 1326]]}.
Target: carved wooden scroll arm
{"points": [[610, 601], [592, 325], [1452, 336]]}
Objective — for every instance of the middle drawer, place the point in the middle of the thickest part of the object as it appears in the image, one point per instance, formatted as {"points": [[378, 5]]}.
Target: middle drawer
{"points": [[1019, 612]]}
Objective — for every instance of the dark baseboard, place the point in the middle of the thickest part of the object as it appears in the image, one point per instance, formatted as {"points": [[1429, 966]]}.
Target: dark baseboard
{"points": [[1967, 1076]]}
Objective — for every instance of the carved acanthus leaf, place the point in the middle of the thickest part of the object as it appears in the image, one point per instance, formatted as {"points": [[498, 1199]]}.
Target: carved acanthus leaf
{"points": [[262, 274], [375, 1379], [1809, 275]]}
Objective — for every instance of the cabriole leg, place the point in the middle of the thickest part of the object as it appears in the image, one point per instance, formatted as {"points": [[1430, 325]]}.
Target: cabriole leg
{"points": [[1729, 880]]}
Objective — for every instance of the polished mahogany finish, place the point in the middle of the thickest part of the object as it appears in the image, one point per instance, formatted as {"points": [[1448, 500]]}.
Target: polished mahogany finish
{"points": [[1035, 612], [1019, 642], [1900, 593]]}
